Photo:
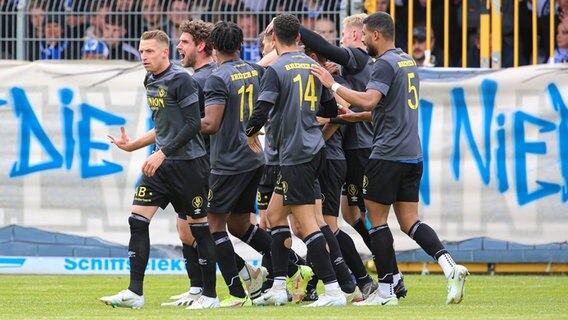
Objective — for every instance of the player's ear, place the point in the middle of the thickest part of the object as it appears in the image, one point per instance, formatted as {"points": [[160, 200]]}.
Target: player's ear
{"points": [[201, 46]]}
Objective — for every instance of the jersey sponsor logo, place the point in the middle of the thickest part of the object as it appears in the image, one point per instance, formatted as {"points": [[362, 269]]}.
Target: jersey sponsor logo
{"points": [[197, 202], [155, 103], [296, 65], [244, 75]]}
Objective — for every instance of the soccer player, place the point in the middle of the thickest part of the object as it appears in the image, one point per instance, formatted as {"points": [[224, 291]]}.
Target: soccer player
{"points": [[235, 169], [292, 95], [331, 179], [357, 141], [394, 170], [195, 52], [175, 173]]}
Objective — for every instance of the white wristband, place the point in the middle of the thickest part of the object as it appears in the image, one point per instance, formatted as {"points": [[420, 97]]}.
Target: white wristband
{"points": [[335, 86]]}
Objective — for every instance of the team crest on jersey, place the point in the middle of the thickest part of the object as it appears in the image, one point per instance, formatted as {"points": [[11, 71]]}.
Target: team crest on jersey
{"points": [[162, 92], [197, 202]]}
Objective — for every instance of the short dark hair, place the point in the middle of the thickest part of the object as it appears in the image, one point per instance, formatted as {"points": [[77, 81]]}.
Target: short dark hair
{"points": [[200, 31], [227, 37], [116, 20], [286, 28], [381, 22]]}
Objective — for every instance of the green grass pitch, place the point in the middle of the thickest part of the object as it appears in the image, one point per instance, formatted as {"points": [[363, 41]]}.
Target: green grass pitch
{"points": [[487, 297]]}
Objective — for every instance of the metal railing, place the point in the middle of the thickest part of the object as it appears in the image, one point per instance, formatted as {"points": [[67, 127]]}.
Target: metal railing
{"points": [[487, 33]]}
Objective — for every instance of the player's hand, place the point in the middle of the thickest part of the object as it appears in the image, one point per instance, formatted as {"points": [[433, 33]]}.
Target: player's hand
{"points": [[153, 162], [254, 143], [269, 27], [331, 67], [322, 121], [343, 110], [123, 142], [323, 75]]}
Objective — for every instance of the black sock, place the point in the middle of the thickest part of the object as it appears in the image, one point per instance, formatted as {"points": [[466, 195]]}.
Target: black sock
{"points": [[227, 264], [313, 283], [352, 258], [191, 257], [206, 257], [319, 256], [341, 270], [267, 262], [361, 229], [138, 251], [427, 239], [297, 259], [383, 252], [280, 252], [239, 262]]}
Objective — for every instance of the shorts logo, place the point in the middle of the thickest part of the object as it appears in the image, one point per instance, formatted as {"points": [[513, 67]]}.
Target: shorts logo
{"points": [[197, 202], [284, 187], [365, 181], [210, 195], [322, 198], [352, 189]]}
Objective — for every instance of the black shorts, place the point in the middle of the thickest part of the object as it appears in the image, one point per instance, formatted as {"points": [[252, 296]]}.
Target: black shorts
{"points": [[331, 180], [183, 183], [356, 162], [387, 182], [299, 184], [266, 185], [233, 193]]}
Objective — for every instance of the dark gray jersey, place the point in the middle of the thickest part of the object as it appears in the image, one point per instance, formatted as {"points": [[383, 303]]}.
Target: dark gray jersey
{"points": [[201, 75], [358, 135], [395, 118], [234, 84], [167, 93], [334, 145], [296, 94], [270, 153]]}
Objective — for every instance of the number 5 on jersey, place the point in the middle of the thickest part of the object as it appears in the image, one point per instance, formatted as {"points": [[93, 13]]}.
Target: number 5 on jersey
{"points": [[412, 91]]}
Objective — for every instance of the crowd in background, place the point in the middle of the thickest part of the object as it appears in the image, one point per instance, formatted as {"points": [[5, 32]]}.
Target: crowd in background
{"points": [[109, 29]]}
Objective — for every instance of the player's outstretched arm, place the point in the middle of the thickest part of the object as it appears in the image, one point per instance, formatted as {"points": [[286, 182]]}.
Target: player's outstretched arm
{"points": [[125, 144], [367, 100]]}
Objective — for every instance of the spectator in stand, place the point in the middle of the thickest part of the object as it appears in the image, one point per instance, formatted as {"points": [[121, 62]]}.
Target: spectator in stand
{"points": [[54, 46], [129, 12], [201, 10], [75, 26], [419, 49], [35, 31], [100, 9], [113, 36], [250, 50], [561, 52], [152, 16], [7, 29], [227, 10], [94, 50], [177, 13], [326, 28]]}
